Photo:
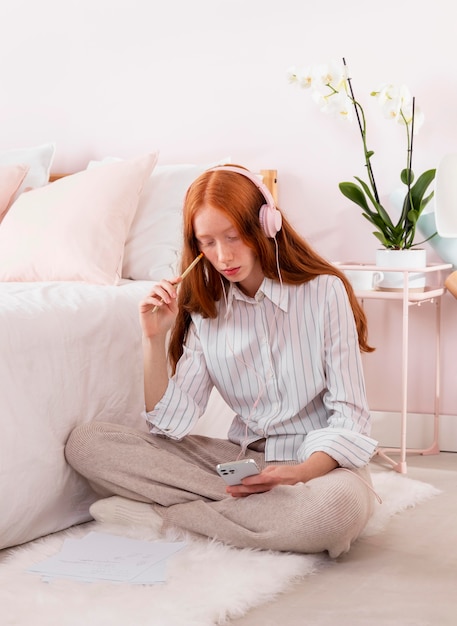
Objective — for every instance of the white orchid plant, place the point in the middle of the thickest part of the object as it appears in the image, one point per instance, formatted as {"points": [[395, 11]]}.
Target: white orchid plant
{"points": [[331, 89]]}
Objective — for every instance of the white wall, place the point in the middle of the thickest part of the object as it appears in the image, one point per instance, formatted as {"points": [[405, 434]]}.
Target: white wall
{"points": [[203, 79]]}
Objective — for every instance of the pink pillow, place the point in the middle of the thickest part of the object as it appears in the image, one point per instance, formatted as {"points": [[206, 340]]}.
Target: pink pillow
{"points": [[11, 177], [153, 245], [75, 228]]}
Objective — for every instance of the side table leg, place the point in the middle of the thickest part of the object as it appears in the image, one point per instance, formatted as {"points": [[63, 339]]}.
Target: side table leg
{"points": [[434, 448]]}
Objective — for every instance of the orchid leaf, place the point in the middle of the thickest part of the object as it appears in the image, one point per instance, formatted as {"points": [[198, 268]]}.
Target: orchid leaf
{"points": [[367, 190], [379, 208], [355, 194], [412, 216], [426, 200], [419, 188], [382, 239], [407, 176]]}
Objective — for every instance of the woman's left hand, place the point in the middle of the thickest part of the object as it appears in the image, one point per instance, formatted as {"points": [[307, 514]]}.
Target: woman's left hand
{"points": [[318, 464], [270, 477]]}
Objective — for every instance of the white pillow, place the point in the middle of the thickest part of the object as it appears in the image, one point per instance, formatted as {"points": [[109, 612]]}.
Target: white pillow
{"points": [[75, 228], [11, 177], [39, 161], [153, 246]]}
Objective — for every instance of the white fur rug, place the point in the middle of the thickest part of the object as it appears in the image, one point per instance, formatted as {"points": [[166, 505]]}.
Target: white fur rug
{"points": [[208, 583]]}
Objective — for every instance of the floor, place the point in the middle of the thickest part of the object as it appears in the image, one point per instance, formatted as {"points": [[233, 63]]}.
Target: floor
{"points": [[406, 576]]}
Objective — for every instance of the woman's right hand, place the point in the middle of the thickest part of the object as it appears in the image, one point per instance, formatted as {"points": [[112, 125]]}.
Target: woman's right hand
{"points": [[163, 295]]}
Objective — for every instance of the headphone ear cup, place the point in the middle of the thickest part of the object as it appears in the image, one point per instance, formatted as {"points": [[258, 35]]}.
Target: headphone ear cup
{"points": [[269, 216], [270, 220]]}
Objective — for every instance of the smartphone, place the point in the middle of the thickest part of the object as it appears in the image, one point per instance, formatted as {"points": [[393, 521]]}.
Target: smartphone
{"points": [[234, 471]]}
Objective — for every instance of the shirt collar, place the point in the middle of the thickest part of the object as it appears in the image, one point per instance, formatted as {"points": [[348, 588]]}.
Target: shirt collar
{"points": [[272, 289]]}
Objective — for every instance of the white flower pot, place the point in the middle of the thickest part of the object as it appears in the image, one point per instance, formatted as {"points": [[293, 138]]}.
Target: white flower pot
{"points": [[414, 258]]}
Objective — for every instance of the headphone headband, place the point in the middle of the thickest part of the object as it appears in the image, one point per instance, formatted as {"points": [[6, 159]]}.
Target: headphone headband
{"points": [[269, 216]]}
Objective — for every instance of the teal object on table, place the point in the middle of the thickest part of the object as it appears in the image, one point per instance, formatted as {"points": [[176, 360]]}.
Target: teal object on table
{"points": [[445, 247]]}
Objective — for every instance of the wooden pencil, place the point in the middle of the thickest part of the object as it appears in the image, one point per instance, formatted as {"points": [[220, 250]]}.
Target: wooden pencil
{"points": [[184, 274]]}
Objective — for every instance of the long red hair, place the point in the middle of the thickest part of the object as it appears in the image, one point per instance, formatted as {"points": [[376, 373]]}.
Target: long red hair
{"points": [[240, 200]]}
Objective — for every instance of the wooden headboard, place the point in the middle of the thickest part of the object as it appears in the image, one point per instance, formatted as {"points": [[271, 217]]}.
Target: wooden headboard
{"points": [[269, 177]]}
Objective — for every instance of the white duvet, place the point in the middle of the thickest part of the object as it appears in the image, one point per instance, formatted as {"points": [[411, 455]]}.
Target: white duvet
{"points": [[70, 353]]}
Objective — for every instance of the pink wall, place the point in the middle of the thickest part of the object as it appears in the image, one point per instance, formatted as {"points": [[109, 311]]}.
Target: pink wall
{"points": [[204, 79]]}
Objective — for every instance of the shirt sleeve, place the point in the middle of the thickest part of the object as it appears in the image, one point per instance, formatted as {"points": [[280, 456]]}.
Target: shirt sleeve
{"points": [[347, 436], [186, 396]]}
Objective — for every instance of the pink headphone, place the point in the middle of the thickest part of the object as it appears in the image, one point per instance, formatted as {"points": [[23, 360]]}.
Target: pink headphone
{"points": [[269, 216]]}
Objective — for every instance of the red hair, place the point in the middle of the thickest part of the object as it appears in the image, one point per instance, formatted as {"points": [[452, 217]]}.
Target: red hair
{"points": [[240, 200]]}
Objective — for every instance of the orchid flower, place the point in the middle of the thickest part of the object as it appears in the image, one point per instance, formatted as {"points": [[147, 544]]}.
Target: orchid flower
{"points": [[332, 91], [397, 103]]}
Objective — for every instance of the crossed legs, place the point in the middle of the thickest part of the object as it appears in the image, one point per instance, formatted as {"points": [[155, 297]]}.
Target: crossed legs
{"points": [[179, 480]]}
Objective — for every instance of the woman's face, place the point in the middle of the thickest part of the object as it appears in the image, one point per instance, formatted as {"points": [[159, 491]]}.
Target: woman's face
{"points": [[221, 244]]}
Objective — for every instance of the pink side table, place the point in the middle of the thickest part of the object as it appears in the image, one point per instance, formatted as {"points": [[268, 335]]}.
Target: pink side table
{"points": [[431, 294]]}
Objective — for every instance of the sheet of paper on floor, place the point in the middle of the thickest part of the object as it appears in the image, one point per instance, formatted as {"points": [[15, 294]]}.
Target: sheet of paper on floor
{"points": [[105, 557]]}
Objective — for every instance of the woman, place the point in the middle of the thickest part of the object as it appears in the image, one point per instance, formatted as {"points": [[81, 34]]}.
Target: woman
{"points": [[278, 331]]}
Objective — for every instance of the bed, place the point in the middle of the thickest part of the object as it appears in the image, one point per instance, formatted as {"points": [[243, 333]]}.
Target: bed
{"points": [[76, 257]]}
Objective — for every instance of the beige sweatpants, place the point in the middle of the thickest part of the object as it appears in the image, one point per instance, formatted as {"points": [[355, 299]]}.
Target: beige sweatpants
{"points": [[180, 481]]}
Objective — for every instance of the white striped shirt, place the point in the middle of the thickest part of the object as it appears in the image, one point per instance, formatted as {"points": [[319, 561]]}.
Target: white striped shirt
{"points": [[287, 362]]}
